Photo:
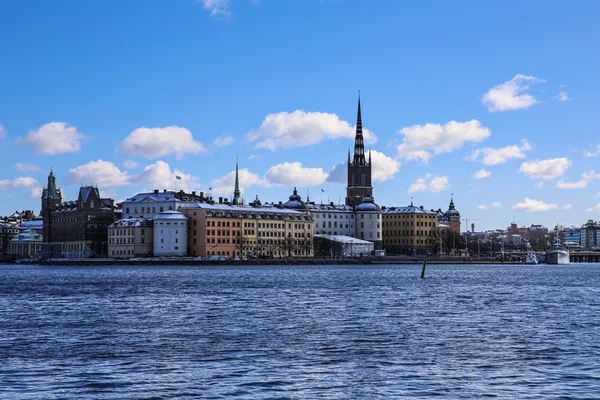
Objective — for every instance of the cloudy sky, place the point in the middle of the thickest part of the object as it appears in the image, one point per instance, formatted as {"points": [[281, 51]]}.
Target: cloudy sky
{"points": [[496, 103]]}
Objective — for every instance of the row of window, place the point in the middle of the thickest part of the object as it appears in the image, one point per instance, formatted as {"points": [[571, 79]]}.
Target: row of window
{"points": [[410, 223], [407, 232]]}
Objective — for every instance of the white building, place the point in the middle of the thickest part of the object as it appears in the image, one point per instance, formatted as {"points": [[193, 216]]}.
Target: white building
{"points": [[26, 244], [368, 222], [170, 234], [149, 205], [331, 219]]}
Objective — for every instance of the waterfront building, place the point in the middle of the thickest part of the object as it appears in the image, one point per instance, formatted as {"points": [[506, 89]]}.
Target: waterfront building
{"points": [[76, 228], [359, 169], [410, 230], [368, 222], [248, 231], [340, 246], [170, 234], [573, 236], [7, 231], [26, 244], [148, 205], [332, 219], [590, 235], [131, 237]]}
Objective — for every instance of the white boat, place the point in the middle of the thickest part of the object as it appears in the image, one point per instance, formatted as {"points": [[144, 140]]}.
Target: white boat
{"points": [[531, 258], [557, 254]]}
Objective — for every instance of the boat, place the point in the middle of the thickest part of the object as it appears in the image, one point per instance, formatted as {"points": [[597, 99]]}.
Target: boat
{"points": [[531, 257], [557, 253]]}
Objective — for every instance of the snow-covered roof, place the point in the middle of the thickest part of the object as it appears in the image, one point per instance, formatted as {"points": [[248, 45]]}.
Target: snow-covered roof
{"points": [[131, 222], [176, 215], [407, 210], [343, 239]]}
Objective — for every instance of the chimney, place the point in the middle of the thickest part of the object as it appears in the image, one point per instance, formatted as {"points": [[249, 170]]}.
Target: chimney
{"points": [[194, 192], [164, 190], [421, 207], [202, 194], [331, 203], [280, 203], [220, 200], [155, 191]]}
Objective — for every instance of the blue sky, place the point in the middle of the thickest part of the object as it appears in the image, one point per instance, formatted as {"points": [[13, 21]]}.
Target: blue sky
{"points": [[494, 102]]}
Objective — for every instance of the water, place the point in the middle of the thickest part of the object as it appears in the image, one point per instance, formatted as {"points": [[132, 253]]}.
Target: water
{"points": [[314, 332]]}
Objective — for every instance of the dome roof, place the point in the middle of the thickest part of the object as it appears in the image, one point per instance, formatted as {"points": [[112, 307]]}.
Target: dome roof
{"points": [[368, 204], [295, 202], [451, 209]]}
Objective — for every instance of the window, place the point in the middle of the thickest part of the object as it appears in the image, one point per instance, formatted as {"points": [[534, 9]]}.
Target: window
{"points": [[363, 179]]}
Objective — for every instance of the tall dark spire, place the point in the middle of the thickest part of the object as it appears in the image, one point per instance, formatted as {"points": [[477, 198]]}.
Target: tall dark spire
{"points": [[237, 199], [359, 145]]}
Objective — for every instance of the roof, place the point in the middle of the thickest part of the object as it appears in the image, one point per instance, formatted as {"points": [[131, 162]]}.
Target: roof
{"points": [[27, 235], [329, 207], [131, 222], [161, 196], [170, 215], [246, 211], [343, 239], [408, 210], [368, 204]]}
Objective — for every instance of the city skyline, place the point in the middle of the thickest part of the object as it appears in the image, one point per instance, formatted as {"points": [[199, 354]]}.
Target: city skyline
{"points": [[444, 111]]}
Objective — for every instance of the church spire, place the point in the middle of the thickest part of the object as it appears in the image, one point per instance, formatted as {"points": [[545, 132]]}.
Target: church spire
{"points": [[359, 145], [237, 200]]}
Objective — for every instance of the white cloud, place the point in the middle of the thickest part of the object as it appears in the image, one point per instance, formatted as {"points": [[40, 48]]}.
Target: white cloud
{"points": [[130, 164], [431, 183], [223, 141], [101, 173], [592, 209], [300, 128], [160, 175], [53, 138], [217, 8], [293, 174], [35, 192], [224, 185], [533, 206], [496, 204], [21, 182], [107, 175], [2, 131], [482, 174], [338, 174], [482, 207], [492, 156], [511, 95], [384, 167], [592, 153], [158, 142], [562, 96], [253, 157], [539, 185], [586, 178], [424, 141], [572, 185], [24, 167], [545, 169], [567, 207]]}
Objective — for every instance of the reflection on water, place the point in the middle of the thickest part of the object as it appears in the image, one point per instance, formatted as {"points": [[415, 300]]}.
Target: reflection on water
{"points": [[313, 332]]}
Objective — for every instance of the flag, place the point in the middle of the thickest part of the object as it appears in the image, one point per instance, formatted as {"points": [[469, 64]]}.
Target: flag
{"points": [[322, 191], [177, 177]]}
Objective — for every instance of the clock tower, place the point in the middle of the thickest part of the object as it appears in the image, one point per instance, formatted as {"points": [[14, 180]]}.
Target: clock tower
{"points": [[359, 169]]}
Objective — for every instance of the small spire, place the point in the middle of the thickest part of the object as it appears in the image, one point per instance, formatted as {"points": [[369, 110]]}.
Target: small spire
{"points": [[237, 200], [359, 146]]}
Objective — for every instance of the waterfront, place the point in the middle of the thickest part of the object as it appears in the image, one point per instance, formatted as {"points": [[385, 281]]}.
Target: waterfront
{"points": [[467, 331]]}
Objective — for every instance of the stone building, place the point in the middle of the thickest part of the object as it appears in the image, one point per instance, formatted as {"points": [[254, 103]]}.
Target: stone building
{"points": [[248, 231], [409, 230], [26, 244], [76, 228], [131, 237], [170, 234], [150, 204]]}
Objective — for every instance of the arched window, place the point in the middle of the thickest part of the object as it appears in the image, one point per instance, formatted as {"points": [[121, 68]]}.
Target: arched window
{"points": [[352, 180], [363, 179], [92, 204]]}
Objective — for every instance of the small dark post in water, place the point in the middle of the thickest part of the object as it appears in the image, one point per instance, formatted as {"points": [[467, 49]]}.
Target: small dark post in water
{"points": [[424, 265]]}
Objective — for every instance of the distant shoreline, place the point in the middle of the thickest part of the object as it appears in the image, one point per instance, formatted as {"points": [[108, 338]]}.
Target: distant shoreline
{"points": [[262, 262]]}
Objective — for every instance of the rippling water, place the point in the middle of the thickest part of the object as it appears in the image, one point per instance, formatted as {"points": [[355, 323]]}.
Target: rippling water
{"points": [[314, 332]]}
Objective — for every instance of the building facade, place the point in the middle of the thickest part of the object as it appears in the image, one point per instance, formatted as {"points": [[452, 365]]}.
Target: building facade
{"points": [[76, 228], [590, 235], [149, 205], [131, 237], [170, 234], [26, 244], [248, 231], [409, 230]]}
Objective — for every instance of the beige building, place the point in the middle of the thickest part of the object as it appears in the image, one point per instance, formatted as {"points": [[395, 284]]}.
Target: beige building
{"points": [[247, 231], [130, 237], [409, 230]]}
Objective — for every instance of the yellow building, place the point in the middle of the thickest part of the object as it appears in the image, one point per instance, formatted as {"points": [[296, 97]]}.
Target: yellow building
{"points": [[409, 230]]}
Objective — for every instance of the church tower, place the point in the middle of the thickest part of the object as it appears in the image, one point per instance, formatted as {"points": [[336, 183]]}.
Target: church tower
{"points": [[51, 199], [237, 197], [359, 170]]}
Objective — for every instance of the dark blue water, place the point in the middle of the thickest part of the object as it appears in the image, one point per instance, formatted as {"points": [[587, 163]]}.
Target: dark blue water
{"points": [[318, 332]]}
